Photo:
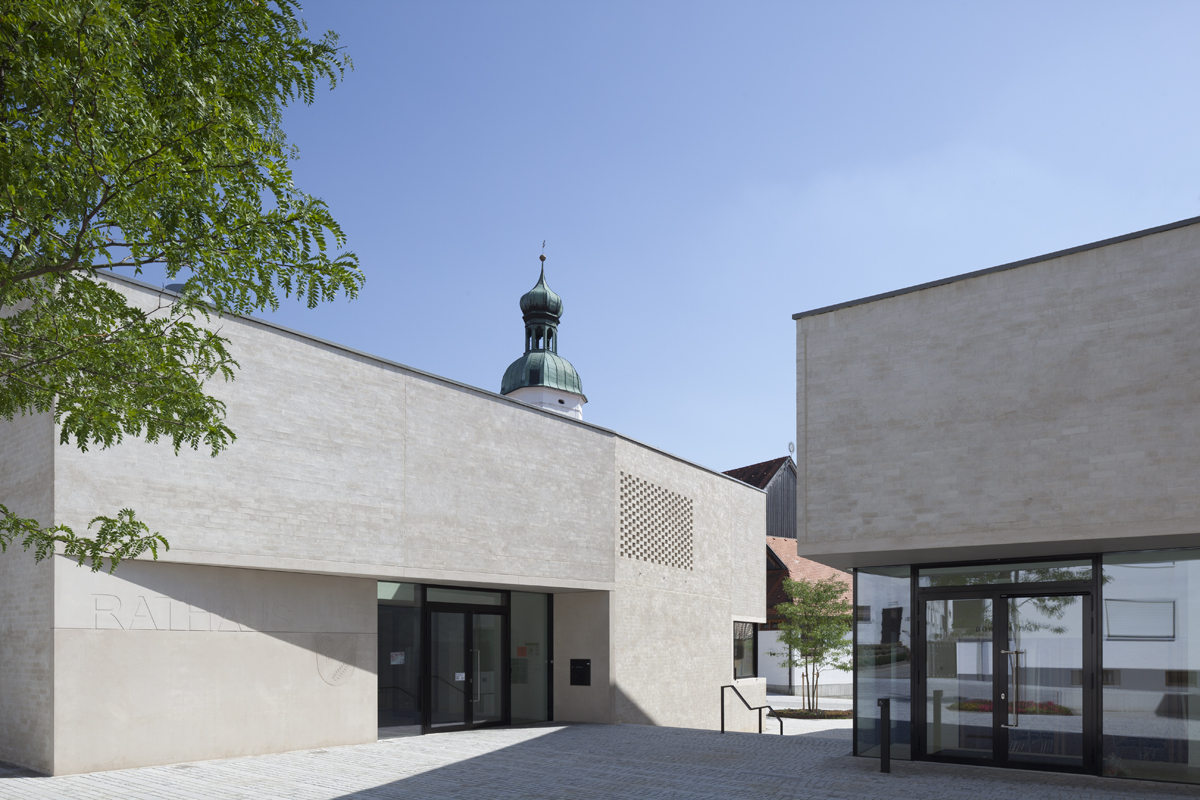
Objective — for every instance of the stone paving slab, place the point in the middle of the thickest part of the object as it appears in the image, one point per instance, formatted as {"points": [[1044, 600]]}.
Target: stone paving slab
{"points": [[566, 762]]}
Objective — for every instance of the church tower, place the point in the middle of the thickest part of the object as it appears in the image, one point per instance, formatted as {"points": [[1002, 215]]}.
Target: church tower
{"points": [[542, 377]]}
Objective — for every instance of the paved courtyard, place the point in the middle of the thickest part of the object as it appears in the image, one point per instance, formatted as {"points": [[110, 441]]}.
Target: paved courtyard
{"points": [[576, 761]]}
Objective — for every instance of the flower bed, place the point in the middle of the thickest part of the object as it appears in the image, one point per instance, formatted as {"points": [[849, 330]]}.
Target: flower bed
{"points": [[1045, 708], [800, 713]]}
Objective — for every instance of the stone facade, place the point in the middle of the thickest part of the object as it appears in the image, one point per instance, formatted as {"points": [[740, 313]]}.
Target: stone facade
{"points": [[1047, 407], [26, 608], [255, 633]]}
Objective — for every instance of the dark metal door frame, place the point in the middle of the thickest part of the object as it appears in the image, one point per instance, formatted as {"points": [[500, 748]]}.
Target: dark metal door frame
{"points": [[469, 611], [999, 594]]}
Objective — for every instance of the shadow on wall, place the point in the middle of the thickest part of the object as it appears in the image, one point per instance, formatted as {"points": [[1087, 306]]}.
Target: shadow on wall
{"points": [[737, 717], [14, 771], [628, 712]]}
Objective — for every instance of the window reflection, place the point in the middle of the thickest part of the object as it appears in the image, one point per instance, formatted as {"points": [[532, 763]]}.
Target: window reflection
{"points": [[529, 672], [883, 657], [988, 574], [744, 650], [1151, 656], [958, 657]]}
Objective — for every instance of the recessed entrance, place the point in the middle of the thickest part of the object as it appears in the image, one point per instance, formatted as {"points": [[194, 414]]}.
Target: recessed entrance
{"points": [[457, 658], [1006, 674]]}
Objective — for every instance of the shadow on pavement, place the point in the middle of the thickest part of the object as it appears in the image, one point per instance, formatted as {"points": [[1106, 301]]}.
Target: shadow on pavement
{"points": [[634, 761], [13, 771]]}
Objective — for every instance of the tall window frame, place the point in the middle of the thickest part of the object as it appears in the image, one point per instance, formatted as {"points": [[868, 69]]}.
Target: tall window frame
{"points": [[745, 650]]}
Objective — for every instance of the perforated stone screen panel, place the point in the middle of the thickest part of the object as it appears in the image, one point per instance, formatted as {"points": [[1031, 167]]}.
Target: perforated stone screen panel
{"points": [[656, 524]]}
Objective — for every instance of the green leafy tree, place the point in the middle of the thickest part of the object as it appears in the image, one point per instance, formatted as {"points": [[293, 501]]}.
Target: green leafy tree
{"points": [[813, 631], [138, 133]]}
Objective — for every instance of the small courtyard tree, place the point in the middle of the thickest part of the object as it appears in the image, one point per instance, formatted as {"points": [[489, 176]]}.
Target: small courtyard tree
{"points": [[813, 631]]}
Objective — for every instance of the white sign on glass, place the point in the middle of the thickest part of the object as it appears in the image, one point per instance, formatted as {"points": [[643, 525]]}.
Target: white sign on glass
{"points": [[397, 658], [460, 676]]}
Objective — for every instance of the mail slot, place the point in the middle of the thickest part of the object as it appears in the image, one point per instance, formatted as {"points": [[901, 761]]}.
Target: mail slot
{"points": [[581, 672]]}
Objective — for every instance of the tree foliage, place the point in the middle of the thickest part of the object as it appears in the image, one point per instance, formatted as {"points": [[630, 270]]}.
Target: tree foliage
{"points": [[813, 631], [138, 133]]}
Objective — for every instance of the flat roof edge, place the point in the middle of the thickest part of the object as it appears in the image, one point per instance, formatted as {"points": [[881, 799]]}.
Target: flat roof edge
{"points": [[1183, 223], [422, 373]]}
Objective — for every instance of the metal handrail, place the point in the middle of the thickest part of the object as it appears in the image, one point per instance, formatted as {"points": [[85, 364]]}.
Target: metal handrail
{"points": [[759, 709], [403, 691], [451, 685]]}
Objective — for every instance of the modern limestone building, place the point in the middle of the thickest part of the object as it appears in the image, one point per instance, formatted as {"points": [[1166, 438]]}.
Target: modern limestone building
{"points": [[381, 549], [1009, 460]]}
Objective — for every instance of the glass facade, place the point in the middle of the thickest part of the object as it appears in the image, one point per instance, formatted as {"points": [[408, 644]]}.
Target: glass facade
{"points": [[1151, 658], [456, 657], [1095, 670], [529, 655], [883, 658], [961, 682], [475, 597], [1079, 569], [399, 665]]}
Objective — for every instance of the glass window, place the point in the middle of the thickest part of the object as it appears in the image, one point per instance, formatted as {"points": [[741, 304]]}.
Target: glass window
{"points": [[1151, 650], [745, 650], [883, 657], [529, 673], [397, 594], [1139, 619], [439, 594], [1079, 569], [399, 664]]}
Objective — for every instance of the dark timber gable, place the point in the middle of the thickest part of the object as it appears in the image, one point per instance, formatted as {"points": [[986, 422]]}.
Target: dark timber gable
{"points": [[778, 479]]}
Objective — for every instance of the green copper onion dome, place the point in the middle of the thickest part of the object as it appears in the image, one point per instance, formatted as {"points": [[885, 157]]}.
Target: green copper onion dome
{"points": [[541, 365], [541, 368], [541, 299]]}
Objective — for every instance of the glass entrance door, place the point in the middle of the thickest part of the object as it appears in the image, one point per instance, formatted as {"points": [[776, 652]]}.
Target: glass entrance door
{"points": [[466, 682], [1044, 670], [487, 648], [1006, 680], [448, 681]]}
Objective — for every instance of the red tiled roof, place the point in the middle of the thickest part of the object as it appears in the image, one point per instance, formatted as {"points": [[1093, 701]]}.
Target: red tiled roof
{"points": [[785, 550], [758, 475]]}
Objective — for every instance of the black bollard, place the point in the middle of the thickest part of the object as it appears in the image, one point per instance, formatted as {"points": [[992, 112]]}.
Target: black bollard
{"points": [[885, 734]]}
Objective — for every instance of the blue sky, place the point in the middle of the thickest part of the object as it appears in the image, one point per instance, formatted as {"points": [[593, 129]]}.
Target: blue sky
{"points": [[702, 171]]}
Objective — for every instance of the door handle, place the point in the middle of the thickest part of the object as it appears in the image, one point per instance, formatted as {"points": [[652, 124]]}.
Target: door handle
{"points": [[1014, 661], [475, 677]]}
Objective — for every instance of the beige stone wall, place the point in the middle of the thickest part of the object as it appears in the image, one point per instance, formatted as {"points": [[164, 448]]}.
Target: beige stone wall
{"points": [[1049, 408], [26, 652], [348, 469], [347, 464], [582, 622], [161, 663], [673, 626]]}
